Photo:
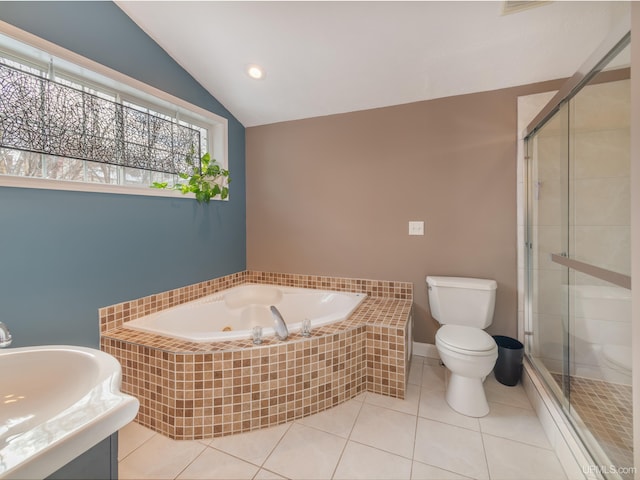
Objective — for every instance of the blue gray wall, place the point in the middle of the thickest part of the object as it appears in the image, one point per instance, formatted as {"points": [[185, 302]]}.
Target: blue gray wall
{"points": [[64, 254]]}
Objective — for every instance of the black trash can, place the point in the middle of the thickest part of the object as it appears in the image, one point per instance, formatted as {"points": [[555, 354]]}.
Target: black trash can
{"points": [[508, 368]]}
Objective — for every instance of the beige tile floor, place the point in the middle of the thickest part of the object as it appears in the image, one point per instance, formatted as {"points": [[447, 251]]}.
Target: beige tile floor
{"points": [[369, 437]]}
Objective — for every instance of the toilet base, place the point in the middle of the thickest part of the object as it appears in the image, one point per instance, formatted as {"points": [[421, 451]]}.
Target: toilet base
{"points": [[466, 396]]}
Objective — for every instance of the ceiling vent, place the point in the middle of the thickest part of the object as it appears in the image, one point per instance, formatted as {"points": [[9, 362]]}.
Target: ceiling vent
{"points": [[514, 6]]}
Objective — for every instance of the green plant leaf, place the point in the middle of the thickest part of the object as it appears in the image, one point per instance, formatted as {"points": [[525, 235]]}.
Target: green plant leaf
{"points": [[206, 179]]}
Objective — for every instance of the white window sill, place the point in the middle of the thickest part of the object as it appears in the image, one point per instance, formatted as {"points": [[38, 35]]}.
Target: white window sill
{"points": [[24, 182]]}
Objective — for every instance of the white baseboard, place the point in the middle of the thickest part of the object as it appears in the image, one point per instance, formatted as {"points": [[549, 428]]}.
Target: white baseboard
{"points": [[425, 350]]}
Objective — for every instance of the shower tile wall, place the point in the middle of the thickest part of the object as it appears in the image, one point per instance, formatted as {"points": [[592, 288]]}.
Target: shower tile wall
{"points": [[601, 145]]}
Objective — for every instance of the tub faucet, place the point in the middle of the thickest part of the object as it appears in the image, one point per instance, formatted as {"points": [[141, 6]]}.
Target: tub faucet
{"points": [[5, 336], [282, 332]]}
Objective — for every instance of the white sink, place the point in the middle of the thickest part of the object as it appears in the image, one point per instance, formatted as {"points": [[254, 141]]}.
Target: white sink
{"points": [[56, 402]]}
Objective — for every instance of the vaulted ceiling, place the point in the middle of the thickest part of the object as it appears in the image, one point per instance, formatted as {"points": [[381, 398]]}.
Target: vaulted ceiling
{"points": [[321, 58]]}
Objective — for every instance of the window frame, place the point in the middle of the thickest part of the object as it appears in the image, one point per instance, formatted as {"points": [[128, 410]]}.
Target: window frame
{"points": [[88, 72]]}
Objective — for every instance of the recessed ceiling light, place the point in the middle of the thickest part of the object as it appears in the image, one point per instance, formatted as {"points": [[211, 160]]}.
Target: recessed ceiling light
{"points": [[255, 72]]}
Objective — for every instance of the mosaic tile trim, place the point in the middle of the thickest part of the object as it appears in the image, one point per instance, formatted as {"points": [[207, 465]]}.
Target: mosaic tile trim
{"points": [[190, 390], [386, 362], [373, 288]]}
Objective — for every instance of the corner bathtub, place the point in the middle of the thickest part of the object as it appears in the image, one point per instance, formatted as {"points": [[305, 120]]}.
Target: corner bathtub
{"points": [[231, 314], [191, 390]]}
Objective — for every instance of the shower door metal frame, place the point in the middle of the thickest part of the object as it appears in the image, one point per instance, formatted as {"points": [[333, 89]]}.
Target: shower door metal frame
{"points": [[617, 40], [559, 392]]}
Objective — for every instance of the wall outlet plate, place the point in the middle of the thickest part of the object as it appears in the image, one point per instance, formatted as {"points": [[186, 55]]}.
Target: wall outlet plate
{"points": [[416, 228]]}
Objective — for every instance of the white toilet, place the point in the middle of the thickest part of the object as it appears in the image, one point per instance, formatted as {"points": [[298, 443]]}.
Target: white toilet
{"points": [[464, 307]]}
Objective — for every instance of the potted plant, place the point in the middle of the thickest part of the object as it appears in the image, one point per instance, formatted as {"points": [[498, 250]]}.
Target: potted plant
{"points": [[206, 180]]}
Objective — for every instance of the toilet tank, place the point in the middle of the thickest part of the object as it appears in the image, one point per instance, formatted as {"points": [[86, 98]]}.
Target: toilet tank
{"points": [[462, 301]]}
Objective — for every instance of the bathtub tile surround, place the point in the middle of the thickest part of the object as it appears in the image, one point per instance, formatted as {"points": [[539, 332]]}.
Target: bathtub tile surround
{"points": [[191, 390]]}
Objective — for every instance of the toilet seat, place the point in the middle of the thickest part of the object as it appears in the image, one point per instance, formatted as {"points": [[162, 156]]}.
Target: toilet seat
{"points": [[466, 340]]}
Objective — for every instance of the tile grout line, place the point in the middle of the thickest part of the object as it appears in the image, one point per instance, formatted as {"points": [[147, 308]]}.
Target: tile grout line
{"points": [[139, 446], [204, 449], [261, 466], [415, 430], [484, 451], [244, 460], [451, 424], [335, 469], [518, 442]]}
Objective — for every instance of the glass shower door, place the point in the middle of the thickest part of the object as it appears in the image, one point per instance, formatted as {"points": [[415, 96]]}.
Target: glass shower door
{"points": [[599, 261], [578, 265], [547, 340]]}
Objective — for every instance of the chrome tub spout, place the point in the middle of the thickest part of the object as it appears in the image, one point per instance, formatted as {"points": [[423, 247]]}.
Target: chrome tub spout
{"points": [[5, 336], [282, 332]]}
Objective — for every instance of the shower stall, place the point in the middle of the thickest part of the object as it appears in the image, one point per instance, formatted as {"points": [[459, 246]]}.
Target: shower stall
{"points": [[577, 297]]}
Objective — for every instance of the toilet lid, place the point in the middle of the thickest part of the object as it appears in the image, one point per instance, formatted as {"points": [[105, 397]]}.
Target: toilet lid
{"points": [[461, 337]]}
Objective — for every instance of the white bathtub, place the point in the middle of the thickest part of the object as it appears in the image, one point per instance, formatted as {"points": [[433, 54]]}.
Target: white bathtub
{"points": [[231, 314]]}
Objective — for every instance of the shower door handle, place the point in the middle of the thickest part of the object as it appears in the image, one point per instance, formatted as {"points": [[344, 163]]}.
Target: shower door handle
{"points": [[610, 276]]}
